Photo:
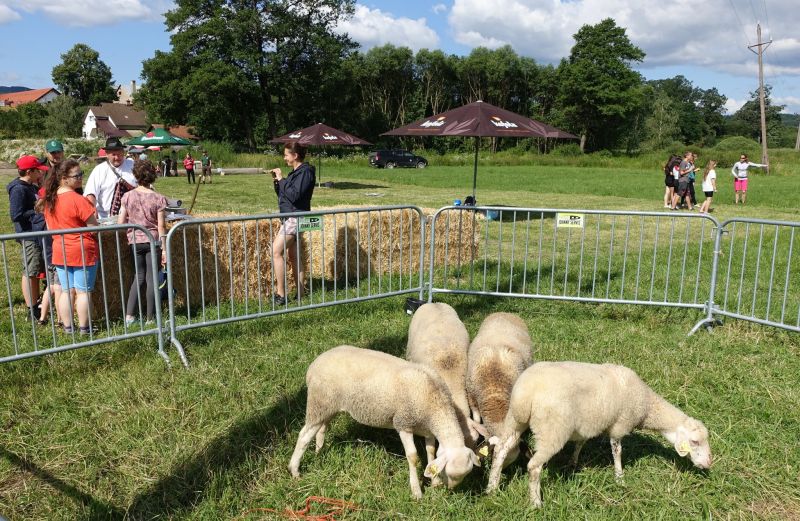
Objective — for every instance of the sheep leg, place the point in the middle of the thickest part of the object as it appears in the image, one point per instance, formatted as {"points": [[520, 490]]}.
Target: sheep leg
{"points": [[547, 445], [430, 449], [535, 467], [578, 446], [501, 451], [413, 461], [307, 434], [616, 452], [476, 414], [321, 437]]}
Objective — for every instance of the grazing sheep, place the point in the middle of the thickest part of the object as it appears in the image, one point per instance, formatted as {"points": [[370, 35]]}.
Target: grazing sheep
{"points": [[381, 390], [500, 352], [438, 339], [562, 401]]}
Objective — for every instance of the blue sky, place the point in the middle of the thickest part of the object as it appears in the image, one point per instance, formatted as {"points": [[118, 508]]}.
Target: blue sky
{"points": [[705, 41]]}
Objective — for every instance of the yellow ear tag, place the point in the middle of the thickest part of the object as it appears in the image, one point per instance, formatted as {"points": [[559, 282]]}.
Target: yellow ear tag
{"points": [[434, 469], [684, 449], [484, 451]]}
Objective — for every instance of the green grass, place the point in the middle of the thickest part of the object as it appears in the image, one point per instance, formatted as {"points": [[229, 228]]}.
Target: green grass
{"points": [[110, 433]]}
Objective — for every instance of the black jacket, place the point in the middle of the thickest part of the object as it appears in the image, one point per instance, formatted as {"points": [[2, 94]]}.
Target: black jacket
{"points": [[295, 190], [21, 198]]}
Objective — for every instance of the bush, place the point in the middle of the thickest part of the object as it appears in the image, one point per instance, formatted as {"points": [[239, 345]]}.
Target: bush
{"points": [[567, 150], [737, 145]]}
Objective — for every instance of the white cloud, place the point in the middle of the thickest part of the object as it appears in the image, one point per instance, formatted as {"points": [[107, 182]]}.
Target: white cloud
{"points": [[373, 27], [439, 9], [792, 103], [732, 105], [7, 14], [706, 34], [85, 13]]}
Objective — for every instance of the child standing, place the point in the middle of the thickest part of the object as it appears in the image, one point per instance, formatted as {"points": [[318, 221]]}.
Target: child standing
{"points": [[709, 185]]}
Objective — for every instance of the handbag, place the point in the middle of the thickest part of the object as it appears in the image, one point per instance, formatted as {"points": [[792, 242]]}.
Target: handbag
{"points": [[121, 188]]}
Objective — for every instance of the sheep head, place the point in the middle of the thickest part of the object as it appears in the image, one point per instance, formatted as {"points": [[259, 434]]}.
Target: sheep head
{"points": [[691, 439], [452, 465]]}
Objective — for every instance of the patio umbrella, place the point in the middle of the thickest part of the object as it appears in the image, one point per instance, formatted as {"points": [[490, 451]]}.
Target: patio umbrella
{"points": [[320, 135], [479, 119], [158, 137]]}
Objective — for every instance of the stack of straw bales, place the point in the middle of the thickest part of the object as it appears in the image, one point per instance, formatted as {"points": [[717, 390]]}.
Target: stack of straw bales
{"points": [[217, 261]]}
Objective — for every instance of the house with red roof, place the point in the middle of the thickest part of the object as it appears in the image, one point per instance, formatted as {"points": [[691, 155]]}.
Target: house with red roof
{"points": [[114, 120], [15, 99]]}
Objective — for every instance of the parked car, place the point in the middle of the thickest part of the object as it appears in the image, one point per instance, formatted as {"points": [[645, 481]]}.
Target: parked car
{"points": [[396, 157]]}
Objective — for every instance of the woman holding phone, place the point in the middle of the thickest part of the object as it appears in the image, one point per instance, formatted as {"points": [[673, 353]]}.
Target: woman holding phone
{"points": [[294, 195]]}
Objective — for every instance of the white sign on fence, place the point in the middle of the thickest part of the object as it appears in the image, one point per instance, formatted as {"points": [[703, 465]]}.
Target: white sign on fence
{"points": [[569, 220], [312, 223]]}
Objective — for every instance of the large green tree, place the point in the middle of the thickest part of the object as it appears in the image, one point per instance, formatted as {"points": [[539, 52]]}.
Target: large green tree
{"points": [[747, 120], [700, 111], [84, 76], [64, 117], [599, 88], [264, 63]]}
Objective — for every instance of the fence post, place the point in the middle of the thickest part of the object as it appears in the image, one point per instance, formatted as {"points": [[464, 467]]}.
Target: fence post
{"points": [[709, 321]]}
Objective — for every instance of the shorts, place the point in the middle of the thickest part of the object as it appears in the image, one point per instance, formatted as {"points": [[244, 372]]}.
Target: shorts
{"points": [[709, 195], [32, 258], [683, 187], [289, 226], [78, 277], [740, 185], [669, 182], [207, 171]]}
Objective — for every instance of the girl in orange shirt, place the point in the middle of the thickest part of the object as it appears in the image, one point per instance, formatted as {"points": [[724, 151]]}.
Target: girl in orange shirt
{"points": [[74, 254]]}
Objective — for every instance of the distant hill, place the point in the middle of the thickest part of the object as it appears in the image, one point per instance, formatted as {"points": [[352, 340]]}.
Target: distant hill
{"points": [[790, 120], [6, 90]]}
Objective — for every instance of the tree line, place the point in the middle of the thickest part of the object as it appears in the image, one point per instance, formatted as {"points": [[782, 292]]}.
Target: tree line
{"points": [[245, 72]]}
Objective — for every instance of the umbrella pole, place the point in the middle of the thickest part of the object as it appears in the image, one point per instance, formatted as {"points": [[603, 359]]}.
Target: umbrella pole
{"points": [[319, 169], [475, 170]]}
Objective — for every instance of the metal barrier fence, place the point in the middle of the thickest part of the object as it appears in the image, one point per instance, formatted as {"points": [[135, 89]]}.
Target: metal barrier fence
{"points": [[101, 310], [757, 278], [221, 270], [654, 258]]}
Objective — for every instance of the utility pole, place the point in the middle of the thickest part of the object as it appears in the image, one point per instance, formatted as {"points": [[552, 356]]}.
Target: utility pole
{"points": [[762, 46], [797, 143]]}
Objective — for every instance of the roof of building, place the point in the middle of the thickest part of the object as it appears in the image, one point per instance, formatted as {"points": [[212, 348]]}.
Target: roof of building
{"points": [[25, 96], [178, 130], [108, 129], [123, 116]]}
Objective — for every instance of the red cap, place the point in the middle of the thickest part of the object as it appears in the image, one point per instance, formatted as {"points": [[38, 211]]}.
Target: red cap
{"points": [[30, 162]]}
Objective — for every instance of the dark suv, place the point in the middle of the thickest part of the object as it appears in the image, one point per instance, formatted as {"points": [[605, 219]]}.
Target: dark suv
{"points": [[394, 158]]}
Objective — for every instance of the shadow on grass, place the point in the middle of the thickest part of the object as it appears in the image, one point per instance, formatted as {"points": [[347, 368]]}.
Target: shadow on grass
{"points": [[98, 510], [346, 185], [187, 484]]}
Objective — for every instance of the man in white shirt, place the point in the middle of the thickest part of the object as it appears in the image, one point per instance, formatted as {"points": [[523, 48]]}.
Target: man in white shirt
{"points": [[739, 172], [99, 189]]}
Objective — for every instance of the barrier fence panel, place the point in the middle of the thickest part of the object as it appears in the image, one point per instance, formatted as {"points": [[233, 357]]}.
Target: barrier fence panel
{"points": [[759, 272], [28, 333], [655, 258], [221, 269]]}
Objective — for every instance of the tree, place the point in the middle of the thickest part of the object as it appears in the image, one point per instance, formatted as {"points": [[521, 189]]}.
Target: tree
{"points": [[599, 89], [275, 54], [84, 76], [747, 120], [64, 117], [436, 73], [701, 120], [31, 119], [662, 126]]}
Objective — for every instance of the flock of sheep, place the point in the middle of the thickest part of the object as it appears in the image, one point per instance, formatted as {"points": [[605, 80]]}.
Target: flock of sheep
{"points": [[452, 392]]}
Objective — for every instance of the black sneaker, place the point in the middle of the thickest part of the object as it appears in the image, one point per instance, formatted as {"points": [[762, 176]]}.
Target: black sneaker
{"points": [[279, 300]]}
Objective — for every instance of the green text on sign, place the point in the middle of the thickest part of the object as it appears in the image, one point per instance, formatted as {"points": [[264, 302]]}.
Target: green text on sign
{"points": [[569, 220], [312, 223]]}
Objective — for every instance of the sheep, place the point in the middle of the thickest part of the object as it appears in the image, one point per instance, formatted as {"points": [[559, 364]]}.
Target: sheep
{"points": [[381, 390], [562, 401], [500, 352], [438, 339]]}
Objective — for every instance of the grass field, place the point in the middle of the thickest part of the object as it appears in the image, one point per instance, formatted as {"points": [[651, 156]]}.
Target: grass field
{"points": [[111, 433]]}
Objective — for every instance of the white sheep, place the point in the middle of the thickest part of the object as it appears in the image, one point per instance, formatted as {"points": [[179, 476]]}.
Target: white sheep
{"points": [[438, 339], [562, 401], [498, 354], [381, 390]]}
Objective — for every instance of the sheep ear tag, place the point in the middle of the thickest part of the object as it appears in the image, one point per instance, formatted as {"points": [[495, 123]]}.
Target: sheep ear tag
{"points": [[484, 451], [683, 448], [432, 471]]}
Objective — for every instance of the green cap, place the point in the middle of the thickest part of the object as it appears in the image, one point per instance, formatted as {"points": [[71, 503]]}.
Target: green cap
{"points": [[54, 145]]}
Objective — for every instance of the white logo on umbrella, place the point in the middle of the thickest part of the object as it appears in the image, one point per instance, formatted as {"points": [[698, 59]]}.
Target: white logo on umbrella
{"points": [[497, 122], [438, 123]]}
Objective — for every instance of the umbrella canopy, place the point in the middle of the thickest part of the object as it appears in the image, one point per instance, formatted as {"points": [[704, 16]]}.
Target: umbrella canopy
{"points": [[158, 137], [320, 135], [479, 119]]}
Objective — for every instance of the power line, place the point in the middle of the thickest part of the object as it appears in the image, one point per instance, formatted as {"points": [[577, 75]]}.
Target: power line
{"points": [[741, 25], [766, 19]]}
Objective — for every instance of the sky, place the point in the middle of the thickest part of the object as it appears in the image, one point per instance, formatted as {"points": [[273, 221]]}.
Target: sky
{"points": [[705, 41]]}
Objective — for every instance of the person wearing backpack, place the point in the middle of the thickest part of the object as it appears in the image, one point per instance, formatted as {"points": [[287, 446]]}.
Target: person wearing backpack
{"points": [[669, 180]]}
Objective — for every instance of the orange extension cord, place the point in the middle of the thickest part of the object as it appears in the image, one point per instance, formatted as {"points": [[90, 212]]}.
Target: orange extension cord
{"points": [[336, 506]]}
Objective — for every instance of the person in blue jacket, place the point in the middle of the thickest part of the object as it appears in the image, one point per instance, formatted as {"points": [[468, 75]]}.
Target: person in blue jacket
{"points": [[22, 198], [294, 195]]}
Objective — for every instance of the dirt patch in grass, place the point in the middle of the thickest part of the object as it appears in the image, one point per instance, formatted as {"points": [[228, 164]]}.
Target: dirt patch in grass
{"points": [[771, 509]]}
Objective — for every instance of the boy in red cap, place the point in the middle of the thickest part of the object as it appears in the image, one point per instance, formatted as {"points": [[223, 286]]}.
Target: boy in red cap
{"points": [[22, 197]]}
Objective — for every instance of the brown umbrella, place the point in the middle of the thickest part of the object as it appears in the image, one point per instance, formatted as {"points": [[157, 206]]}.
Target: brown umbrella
{"points": [[320, 135], [479, 119]]}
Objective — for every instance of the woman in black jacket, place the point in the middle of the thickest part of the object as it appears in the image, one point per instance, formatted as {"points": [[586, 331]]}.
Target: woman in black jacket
{"points": [[294, 195]]}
